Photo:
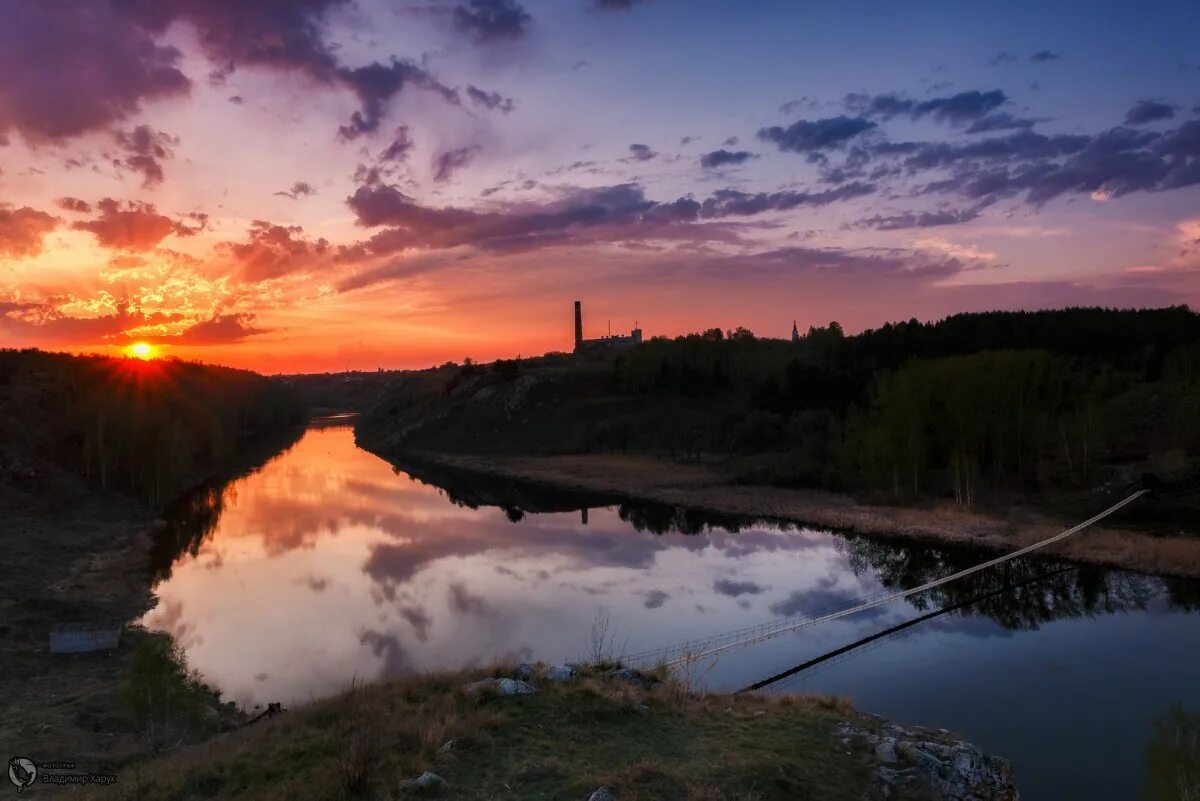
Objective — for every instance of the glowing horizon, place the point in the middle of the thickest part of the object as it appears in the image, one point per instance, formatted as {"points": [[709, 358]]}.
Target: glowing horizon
{"points": [[351, 184]]}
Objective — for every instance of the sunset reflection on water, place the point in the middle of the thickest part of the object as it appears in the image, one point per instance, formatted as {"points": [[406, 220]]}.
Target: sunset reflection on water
{"points": [[326, 566]]}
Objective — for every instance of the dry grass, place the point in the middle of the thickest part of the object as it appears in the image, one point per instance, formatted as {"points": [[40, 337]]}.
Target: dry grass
{"points": [[703, 488], [562, 742]]}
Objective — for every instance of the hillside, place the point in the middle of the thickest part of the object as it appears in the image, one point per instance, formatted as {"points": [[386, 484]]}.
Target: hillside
{"points": [[573, 732], [960, 429], [970, 405], [90, 449]]}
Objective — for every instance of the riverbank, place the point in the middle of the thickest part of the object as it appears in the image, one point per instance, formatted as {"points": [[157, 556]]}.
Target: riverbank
{"points": [[76, 553], [705, 488], [566, 732], [81, 491]]}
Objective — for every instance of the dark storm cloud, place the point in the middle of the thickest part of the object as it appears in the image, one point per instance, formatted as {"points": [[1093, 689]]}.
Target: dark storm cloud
{"points": [[733, 588], [921, 219], [488, 20], [23, 230], [492, 101], [955, 109], [145, 149], [447, 163], [1145, 111], [1044, 55], [816, 135], [615, 5], [298, 190], [723, 158], [73, 66]]}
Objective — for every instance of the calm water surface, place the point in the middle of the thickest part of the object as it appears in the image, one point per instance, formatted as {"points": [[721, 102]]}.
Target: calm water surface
{"points": [[326, 565]]}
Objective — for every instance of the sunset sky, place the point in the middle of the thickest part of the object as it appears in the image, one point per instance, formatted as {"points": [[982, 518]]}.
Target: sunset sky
{"points": [[311, 185]]}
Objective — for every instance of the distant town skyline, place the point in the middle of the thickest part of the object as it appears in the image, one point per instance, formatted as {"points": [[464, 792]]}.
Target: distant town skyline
{"points": [[317, 185]]}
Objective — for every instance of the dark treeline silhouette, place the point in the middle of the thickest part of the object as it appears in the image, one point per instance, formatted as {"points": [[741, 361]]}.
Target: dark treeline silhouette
{"points": [[975, 400], [149, 428]]}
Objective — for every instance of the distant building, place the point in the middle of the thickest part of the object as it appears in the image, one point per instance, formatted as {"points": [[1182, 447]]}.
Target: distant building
{"points": [[609, 342], [795, 332]]}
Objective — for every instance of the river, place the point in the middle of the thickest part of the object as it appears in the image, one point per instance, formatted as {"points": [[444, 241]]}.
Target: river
{"points": [[326, 565]]}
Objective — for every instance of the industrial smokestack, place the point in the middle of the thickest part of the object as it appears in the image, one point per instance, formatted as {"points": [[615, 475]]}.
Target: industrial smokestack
{"points": [[578, 323]]}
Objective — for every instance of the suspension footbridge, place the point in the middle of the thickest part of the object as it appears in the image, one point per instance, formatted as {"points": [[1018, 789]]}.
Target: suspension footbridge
{"points": [[706, 648]]}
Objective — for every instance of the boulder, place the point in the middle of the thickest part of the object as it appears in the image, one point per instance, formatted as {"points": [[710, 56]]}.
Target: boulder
{"points": [[560, 673], [602, 794], [630, 674]]}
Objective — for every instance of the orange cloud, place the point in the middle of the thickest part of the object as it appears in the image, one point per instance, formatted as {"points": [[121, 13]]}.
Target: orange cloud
{"points": [[23, 230]]}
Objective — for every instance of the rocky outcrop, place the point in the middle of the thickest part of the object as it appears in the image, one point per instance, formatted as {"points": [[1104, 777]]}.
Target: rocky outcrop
{"points": [[914, 760]]}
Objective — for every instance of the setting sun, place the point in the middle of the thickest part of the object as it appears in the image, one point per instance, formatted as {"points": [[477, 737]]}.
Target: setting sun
{"points": [[142, 350]]}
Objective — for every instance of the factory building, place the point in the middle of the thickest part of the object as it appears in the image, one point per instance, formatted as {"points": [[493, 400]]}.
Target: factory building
{"points": [[600, 344]]}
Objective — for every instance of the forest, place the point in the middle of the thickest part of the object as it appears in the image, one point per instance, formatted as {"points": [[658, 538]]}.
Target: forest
{"points": [[955, 407], [150, 428]]}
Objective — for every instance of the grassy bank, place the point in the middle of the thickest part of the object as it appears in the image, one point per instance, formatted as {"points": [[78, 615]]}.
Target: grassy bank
{"points": [[566, 740], [90, 451], [706, 488]]}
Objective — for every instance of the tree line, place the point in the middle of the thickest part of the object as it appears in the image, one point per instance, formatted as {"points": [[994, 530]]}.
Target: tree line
{"points": [[150, 428], [954, 407]]}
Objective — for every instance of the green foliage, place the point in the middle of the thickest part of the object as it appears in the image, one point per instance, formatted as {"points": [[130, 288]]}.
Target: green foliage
{"points": [[163, 696], [967, 403], [961, 408]]}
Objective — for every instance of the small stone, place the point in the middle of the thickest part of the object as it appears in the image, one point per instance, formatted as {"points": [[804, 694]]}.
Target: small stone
{"points": [[602, 794], [630, 674], [515, 687], [449, 745], [426, 781], [429, 779], [500, 687]]}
